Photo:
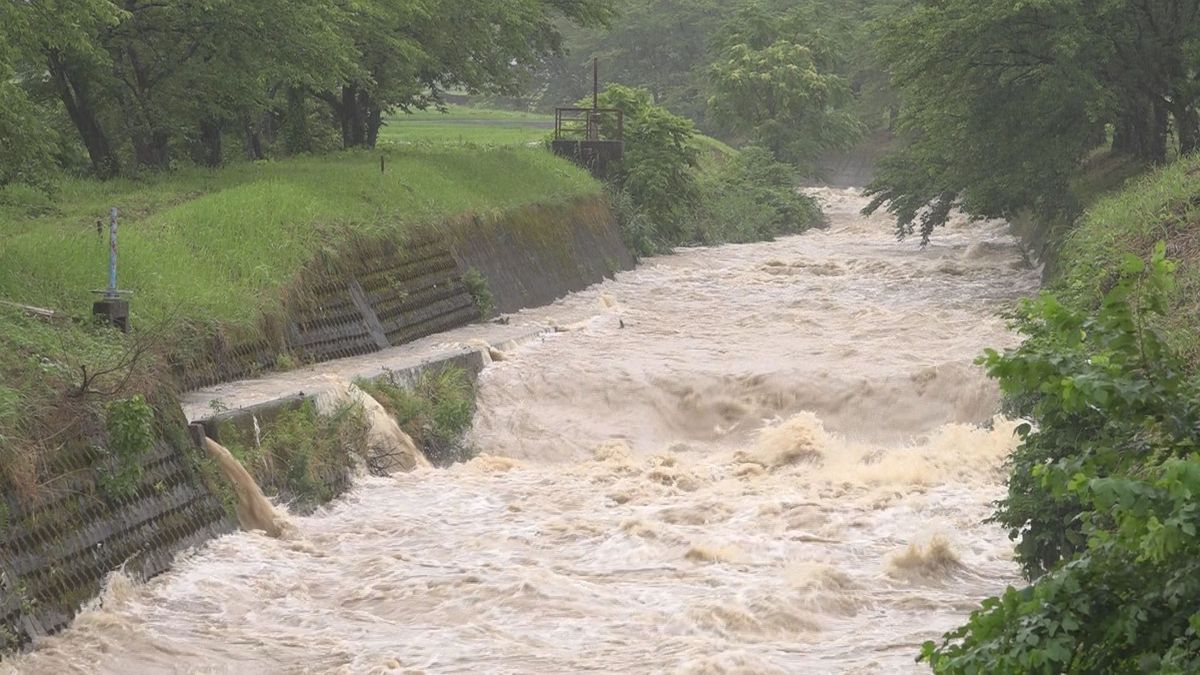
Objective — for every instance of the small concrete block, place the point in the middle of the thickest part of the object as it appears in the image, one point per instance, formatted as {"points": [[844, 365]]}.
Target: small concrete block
{"points": [[114, 310]]}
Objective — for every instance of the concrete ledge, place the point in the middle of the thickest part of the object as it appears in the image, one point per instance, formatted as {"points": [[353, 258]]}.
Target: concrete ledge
{"points": [[265, 398]]}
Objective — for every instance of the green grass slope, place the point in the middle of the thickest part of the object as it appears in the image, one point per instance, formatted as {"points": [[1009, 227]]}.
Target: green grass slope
{"points": [[200, 243], [1162, 206], [218, 248], [464, 125]]}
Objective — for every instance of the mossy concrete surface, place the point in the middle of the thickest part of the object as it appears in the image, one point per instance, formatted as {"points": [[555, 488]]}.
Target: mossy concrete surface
{"points": [[535, 254], [57, 548]]}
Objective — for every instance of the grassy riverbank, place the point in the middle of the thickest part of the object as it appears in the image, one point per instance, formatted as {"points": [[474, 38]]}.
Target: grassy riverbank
{"points": [[1161, 206], [217, 243], [204, 251]]}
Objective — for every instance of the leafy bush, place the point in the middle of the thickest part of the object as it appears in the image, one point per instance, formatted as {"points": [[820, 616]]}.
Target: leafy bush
{"points": [[752, 197], [130, 424], [1103, 495], [658, 170], [28, 155], [637, 231], [663, 197], [299, 455], [435, 411], [481, 293]]}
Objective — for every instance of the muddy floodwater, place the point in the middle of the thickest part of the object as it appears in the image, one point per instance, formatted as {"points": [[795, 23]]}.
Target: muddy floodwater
{"points": [[763, 458]]}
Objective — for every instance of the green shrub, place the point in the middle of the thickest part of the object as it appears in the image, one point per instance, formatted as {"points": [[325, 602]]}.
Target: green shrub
{"points": [[1103, 494], [658, 171], [481, 294], [130, 425], [435, 411], [664, 197], [752, 197], [301, 455], [637, 230]]}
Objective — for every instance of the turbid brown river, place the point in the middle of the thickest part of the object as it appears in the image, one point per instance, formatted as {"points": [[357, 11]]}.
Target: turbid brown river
{"points": [[764, 458]]}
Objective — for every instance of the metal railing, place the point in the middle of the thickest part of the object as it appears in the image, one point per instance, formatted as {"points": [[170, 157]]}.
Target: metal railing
{"points": [[589, 124]]}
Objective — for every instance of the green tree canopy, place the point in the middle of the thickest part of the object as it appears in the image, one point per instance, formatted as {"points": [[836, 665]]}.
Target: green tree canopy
{"points": [[144, 83], [669, 47], [1002, 100], [778, 83]]}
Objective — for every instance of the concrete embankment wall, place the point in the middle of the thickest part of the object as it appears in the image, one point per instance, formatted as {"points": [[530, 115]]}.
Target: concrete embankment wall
{"points": [[537, 254], [56, 549], [379, 293]]}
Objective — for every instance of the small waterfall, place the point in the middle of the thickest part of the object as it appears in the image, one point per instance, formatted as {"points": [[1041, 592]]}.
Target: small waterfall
{"points": [[254, 511], [389, 450]]}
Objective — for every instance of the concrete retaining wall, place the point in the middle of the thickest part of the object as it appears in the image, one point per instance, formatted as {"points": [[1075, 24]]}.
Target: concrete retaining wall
{"points": [[56, 550], [537, 254], [386, 293]]}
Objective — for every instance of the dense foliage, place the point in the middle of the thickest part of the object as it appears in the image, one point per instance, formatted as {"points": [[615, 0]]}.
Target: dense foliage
{"points": [[780, 82], [435, 410], [752, 197], [658, 170], [664, 197], [713, 60], [1002, 100], [1102, 495], [299, 455], [133, 84]]}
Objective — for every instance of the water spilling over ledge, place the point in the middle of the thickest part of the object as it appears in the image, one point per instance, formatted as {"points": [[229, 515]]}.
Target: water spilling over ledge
{"points": [[758, 458]]}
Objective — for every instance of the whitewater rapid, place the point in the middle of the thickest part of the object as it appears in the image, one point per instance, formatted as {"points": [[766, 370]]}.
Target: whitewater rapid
{"points": [[762, 458]]}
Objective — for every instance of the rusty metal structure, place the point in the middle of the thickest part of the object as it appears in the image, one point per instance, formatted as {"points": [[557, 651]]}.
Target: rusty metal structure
{"points": [[589, 124], [592, 137]]}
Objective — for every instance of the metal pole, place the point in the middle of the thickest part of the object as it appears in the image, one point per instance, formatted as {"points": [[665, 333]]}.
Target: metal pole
{"points": [[595, 83], [112, 253]]}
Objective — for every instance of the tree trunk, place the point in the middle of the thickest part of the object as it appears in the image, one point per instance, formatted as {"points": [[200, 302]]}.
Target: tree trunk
{"points": [[268, 126], [146, 126], [296, 138], [361, 101], [1122, 135], [252, 144], [357, 114], [1187, 126], [151, 150], [345, 113], [211, 154], [1141, 130], [374, 122], [72, 89], [353, 115], [1160, 127]]}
